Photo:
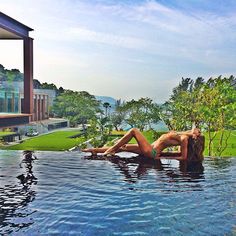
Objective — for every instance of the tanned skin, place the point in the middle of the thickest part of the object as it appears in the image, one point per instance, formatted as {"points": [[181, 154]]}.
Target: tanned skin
{"points": [[143, 147]]}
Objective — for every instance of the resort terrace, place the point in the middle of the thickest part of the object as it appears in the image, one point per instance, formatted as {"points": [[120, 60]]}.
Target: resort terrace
{"points": [[11, 29]]}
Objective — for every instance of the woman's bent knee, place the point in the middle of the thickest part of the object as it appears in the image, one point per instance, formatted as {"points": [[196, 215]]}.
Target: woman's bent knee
{"points": [[134, 131], [148, 154]]}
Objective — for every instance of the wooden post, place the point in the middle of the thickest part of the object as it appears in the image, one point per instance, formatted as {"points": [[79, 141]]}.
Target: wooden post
{"points": [[28, 76]]}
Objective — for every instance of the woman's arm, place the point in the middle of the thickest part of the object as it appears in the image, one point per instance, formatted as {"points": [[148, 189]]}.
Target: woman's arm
{"points": [[188, 133], [184, 147], [194, 133]]}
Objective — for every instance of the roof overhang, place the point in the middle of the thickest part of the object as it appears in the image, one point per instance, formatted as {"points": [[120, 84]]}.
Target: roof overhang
{"points": [[12, 29], [11, 120]]}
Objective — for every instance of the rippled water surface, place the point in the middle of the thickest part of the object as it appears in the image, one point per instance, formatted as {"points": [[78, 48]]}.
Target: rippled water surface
{"points": [[67, 194]]}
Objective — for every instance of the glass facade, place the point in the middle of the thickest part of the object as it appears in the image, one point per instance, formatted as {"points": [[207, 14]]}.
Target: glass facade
{"points": [[9, 100], [2, 100], [12, 100]]}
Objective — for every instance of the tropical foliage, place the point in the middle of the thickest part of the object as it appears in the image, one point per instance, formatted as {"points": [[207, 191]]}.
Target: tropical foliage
{"points": [[142, 113], [78, 107], [12, 75], [118, 116], [210, 105]]}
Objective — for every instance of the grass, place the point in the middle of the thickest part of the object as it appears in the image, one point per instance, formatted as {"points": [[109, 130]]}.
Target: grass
{"points": [[148, 135], [60, 141], [231, 147], [56, 141]]}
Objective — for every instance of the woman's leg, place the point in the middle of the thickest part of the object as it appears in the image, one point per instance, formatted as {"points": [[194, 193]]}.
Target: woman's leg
{"points": [[125, 148], [130, 148], [144, 147], [95, 150]]}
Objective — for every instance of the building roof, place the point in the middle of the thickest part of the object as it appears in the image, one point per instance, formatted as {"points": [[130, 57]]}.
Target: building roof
{"points": [[12, 29]]}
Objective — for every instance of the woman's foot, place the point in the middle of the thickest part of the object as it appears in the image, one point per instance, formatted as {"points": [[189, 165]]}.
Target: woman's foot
{"points": [[93, 152], [86, 150], [109, 152]]}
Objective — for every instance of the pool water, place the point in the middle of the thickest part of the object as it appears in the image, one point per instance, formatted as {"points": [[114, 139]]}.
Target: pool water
{"points": [[64, 193]]}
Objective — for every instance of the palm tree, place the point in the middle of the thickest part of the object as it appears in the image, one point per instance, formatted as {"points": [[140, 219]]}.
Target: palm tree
{"points": [[107, 106]]}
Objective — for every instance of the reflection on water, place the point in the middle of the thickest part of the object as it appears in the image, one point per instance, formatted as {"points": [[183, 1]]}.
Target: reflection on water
{"points": [[14, 197], [28, 177], [65, 193], [135, 168], [220, 163]]}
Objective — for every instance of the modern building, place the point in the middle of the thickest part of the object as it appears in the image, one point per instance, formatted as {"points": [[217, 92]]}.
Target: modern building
{"points": [[20, 104], [12, 100], [11, 29]]}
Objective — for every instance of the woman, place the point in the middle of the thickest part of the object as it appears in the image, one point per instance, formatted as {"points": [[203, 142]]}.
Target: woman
{"points": [[146, 149]]}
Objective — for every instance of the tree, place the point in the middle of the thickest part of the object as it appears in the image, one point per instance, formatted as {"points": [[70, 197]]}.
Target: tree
{"points": [[60, 91], [2, 72], [36, 84], [118, 116], [10, 76], [106, 105], [141, 113], [217, 107], [166, 114], [17, 75], [180, 112], [78, 107], [45, 85], [2, 68], [210, 105]]}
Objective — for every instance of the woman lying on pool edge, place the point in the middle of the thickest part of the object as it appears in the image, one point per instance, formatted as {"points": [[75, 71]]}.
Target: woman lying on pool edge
{"points": [[144, 148]]}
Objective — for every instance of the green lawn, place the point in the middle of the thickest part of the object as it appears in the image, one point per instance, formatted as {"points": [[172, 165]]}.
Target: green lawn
{"points": [[231, 147], [57, 141], [149, 136], [60, 141]]}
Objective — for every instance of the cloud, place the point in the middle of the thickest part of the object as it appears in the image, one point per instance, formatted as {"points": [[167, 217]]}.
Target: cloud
{"points": [[158, 30], [78, 33], [136, 41]]}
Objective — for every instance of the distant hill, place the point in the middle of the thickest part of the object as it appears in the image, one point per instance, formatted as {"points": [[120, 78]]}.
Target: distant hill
{"points": [[13, 75]]}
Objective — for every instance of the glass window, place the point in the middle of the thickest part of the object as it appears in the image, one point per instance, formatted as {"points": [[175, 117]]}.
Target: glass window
{"points": [[16, 102], [2, 101], [9, 102]]}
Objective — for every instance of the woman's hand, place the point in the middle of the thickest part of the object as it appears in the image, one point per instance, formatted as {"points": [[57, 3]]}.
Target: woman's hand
{"points": [[196, 133]]}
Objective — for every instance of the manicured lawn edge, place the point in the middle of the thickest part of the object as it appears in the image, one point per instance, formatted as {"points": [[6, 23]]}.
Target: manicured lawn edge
{"points": [[56, 141]]}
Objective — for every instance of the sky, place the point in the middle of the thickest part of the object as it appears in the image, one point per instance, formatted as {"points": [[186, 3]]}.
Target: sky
{"points": [[125, 49]]}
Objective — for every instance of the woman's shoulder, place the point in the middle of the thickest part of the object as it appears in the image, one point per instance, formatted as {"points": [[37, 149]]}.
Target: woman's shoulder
{"points": [[184, 136]]}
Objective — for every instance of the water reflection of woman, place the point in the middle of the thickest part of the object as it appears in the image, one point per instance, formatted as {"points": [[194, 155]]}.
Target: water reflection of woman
{"points": [[191, 171]]}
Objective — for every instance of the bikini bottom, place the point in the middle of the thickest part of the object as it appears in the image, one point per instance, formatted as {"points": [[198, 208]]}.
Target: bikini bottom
{"points": [[155, 153]]}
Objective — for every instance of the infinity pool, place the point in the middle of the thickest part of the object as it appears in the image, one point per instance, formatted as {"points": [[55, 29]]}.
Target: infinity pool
{"points": [[68, 194]]}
